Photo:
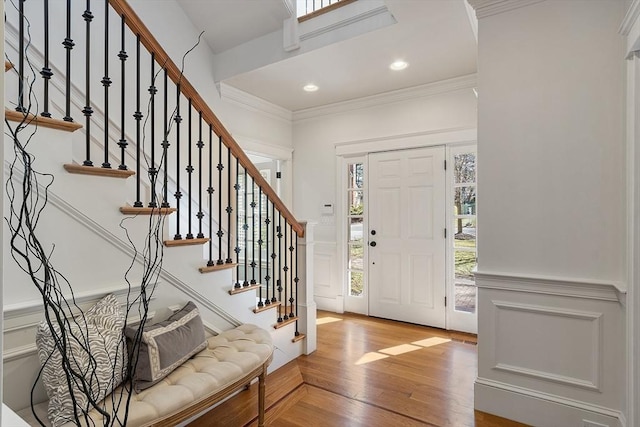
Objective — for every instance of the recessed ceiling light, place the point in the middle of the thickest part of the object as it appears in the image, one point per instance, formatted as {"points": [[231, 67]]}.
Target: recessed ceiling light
{"points": [[398, 65], [310, 87]]}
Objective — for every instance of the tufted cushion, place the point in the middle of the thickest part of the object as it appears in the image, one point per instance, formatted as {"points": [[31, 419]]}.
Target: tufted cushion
{"points": [[228, 357], [99, 330]]}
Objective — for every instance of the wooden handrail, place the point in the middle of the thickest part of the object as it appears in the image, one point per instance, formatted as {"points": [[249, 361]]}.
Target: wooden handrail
{"points": [[173, 71]]}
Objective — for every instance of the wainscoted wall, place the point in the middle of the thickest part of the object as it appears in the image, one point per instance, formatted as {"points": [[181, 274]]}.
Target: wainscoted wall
{"points": [[550, 350], [328, 292], [552, 212]]}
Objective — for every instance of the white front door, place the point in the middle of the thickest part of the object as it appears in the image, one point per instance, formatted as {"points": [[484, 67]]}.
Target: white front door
{"points": [[406, 236]]}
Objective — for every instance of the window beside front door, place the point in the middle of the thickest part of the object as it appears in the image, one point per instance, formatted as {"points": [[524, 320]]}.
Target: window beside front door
{"points": [[464, 229], [355, 223]]}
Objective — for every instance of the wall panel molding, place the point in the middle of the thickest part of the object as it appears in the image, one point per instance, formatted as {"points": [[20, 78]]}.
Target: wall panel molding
{"points": [[592, 381]]}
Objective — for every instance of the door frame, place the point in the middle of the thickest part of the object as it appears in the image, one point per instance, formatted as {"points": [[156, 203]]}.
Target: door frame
{"points": [[346, 152]]}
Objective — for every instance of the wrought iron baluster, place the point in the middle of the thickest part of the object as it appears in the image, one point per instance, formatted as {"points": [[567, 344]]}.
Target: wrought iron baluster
{"points": [[21, 55], [253, 232], [87, 110], [260, 242], [229, 207], [237, 249], [68, 45], [46, 70], [178, 194], [200, 215], [273, 253], [165, 144], [245, 227], [138, 116], [285, 269], [210, 191], [122, 55], [280, 265], [267, 278], [106, 83], [189, 170], [296, 280], [153, 172], [292, 235], [220, 232]]}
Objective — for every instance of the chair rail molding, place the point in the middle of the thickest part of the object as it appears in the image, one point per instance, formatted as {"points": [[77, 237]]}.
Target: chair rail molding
{"points": [[549, 285]]}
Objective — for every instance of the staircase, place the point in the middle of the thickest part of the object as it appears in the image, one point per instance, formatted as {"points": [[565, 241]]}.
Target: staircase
{"points": [[150, 194]]}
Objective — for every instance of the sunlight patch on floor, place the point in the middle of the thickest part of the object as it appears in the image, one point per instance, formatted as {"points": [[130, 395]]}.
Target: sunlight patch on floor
{"points": [[370, 357], [399, 349], [430, 342], [328, 319]]}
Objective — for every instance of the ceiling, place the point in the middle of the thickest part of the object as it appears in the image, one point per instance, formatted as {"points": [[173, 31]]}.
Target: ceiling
{"points": [[434, 36], [229, 23]]}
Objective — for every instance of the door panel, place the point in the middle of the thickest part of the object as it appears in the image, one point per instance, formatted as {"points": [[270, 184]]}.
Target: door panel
{"points": [[407, 213]]}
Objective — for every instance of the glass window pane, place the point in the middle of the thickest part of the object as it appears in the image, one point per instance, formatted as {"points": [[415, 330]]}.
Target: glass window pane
{"points": [[465, 285], [464, 232], [356, 256], [355, 175], [465, 201], [464, 168], [355, 229], [355, 280], [356, 205]]}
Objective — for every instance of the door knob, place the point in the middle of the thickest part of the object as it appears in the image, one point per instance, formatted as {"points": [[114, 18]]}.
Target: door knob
{"points": [[373, 232], [373, 243]]}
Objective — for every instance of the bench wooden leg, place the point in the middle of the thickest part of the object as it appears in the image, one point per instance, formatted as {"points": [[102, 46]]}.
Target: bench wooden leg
{"points": [[261, 393]]}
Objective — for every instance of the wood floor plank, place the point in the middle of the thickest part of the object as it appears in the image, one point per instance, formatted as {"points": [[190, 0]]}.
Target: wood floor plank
{"points": [[369, 372]]}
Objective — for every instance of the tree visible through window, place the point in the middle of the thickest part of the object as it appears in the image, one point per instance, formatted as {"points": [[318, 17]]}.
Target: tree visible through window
{"points": [[355, 224], [465, 252]]}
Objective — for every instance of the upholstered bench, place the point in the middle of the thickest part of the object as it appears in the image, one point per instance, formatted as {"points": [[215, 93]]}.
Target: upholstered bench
{"points": [[230, 362]]}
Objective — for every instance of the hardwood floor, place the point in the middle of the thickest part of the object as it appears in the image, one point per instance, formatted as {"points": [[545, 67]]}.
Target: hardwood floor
{"points": [[368, 372]]}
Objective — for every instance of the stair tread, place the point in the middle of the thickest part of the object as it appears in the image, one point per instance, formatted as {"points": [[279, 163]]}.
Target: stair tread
{"points": [[267, 307], [98, 171], [186, 242], [284, 323], [211, 268], [243, 289], [130, 210], [7, 66], [298, 337], [48, 122]]}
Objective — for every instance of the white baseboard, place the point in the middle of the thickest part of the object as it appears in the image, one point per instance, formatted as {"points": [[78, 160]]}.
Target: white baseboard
{"points": [[540, 409]]}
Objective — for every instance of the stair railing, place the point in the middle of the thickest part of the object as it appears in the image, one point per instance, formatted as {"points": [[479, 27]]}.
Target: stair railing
{"points": [[121, 96]]}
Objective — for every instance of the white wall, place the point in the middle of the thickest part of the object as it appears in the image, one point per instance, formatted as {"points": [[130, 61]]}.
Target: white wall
{"points": [[552, 239], [551, 140], [437, 107], [199, 70]]}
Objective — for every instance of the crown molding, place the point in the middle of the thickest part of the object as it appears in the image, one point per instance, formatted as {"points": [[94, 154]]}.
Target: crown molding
{"points": [[630, 18], [486, 8], [422, 91], [253, 103]]}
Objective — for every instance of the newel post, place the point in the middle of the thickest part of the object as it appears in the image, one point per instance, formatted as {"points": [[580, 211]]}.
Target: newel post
{"points": [[306, 304]]}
